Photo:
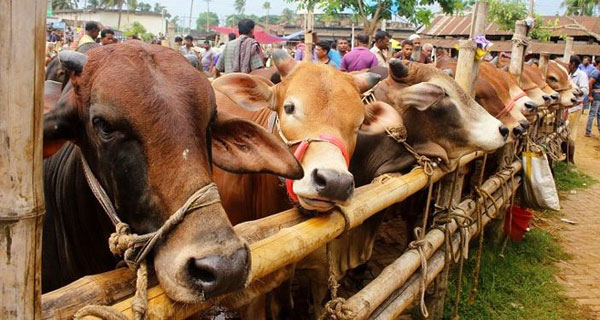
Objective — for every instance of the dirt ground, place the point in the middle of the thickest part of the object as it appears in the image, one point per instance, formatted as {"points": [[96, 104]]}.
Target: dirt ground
{"points": [[581, 274]]}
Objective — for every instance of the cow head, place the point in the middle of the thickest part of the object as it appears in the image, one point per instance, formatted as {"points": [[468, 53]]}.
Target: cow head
{"points": [[559, 80], [534, 73], [533, 91], [492, 91], [441, 120], [146, 123], [313, 101]]}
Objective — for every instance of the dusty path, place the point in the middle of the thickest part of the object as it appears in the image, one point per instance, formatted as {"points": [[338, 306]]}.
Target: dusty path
{"points": [[581, 274]]}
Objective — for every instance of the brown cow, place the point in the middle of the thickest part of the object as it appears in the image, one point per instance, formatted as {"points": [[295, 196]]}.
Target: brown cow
{"points": [[493, 92], [146, 122], [559, 80], [535, 74]]}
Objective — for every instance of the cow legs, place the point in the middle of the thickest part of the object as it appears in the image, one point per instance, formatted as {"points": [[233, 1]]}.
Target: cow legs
{"points": [[255, 310]]}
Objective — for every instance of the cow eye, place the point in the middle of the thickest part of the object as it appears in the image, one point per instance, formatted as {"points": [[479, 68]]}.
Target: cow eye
{"points": [[289, 107], [103, 128], [553, 79]]}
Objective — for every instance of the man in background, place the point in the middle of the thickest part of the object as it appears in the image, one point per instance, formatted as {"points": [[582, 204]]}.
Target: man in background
{"points": [[322, 49], [178, 42], [107, 36], [208, 57], [342, 46], [406, 52], [188, 47], [91, 33], [381, 48], [426, 53], [244, 53], [594, 97], [360, 58], [416, 52]]}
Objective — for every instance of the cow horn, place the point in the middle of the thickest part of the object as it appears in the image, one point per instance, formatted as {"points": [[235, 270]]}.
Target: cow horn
{"points": [[72, 60], [398, 68], [284, 63]]}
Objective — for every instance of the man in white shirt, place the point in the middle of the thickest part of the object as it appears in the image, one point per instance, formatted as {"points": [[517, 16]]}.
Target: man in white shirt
{"points": [[381, 48]]}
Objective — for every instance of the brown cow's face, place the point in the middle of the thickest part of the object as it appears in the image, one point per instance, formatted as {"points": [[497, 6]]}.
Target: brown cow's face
{"points": [[535, 74], [533, 90], [312, 100], [559, 80], [441, 120], [145, 120], [523, 103]]}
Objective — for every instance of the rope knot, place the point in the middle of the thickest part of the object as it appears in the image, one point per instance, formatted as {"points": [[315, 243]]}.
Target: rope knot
{"points": [[334, 309], [121, 239], [397, 133]]}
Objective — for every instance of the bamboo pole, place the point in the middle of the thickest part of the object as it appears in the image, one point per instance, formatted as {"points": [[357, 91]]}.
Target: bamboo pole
{"points": [[568, 49], [543, 63], [290, 245], [21, 128], [171, 36], [363, 303], [308, 36], [403, 297], [449, 196], [466, 66], [519, 47]]}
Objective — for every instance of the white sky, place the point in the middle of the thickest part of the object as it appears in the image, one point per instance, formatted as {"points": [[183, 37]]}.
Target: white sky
{"points": [[224, 8]]}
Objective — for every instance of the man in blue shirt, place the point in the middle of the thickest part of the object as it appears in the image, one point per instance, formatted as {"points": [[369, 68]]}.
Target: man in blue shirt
{"points": [[587, 67], [594, 98]]}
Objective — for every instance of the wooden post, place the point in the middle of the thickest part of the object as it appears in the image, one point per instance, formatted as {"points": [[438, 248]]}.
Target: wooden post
{"points": [[543, 63], [21, 128], [467, 68], [519, 47], [171, 35], [308, 36], [568, 49], [449, 196]]}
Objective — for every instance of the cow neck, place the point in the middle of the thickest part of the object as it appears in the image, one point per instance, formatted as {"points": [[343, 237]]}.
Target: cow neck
{"points": [[303, 145], [511, 104], [530, 88], [133, 247]]}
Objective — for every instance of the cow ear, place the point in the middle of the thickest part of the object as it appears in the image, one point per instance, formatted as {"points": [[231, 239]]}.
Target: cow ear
{"points": [[250, 92], [52, 91], [284, 63], [241, 146], [365, 80], [432, 150], [73, 61], [419, 96], [379, 116], [60, 124]]}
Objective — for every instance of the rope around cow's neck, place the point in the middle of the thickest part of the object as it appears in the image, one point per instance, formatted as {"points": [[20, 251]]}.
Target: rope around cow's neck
{"points": [[134, 248]]}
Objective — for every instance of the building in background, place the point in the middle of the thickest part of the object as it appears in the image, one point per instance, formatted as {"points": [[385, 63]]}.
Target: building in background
{"points": [[152, 21]]}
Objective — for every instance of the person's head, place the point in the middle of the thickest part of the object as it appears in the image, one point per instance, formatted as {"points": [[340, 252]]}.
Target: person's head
{"points": [[382, 40], [586, 61], [574, 63], [427, 49], [407, 49], [440, 52], [206, 44], [189, 41], [362, 40], [179, 41], [342, 45], [322, 49], [92, 29], [231, 36], [107, 36], [246, 27], [416, 40]]}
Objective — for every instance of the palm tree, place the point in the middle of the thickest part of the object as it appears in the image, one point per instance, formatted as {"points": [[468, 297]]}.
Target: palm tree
{"points": [[115, 3], [580, 7], [267, 7], [64, 4], [240, 6], [287, 16], [131, 5]]}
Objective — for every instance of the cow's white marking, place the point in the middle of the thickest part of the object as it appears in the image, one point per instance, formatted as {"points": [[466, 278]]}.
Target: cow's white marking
{"points": [[185, 154]]}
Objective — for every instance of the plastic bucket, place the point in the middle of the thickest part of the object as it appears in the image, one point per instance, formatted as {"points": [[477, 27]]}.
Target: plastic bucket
{"points": [[520, 222]]}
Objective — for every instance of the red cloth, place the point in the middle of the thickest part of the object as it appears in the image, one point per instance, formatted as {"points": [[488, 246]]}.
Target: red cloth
{"points": [[259, 35]]}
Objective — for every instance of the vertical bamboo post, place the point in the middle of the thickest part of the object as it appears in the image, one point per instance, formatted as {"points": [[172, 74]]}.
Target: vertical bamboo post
{"points": [[467, 67], [519, 47], [450, 195], [308, 36], [171, 35], [568, 49], [543, 63], [21, 191]]}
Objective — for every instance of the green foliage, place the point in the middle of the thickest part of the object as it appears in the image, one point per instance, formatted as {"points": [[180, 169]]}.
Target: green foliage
{"points": [[568, 177], [240, 6], [213, 20], [506, 13], [288, 16], [581, 7], [135, 29], [519, 286], [64, 4], [538, 32], [416, 11], [232, 20], [144, 7]]}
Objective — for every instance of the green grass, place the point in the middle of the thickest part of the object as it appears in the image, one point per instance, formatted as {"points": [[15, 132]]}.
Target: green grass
{"points": [[568, 177], [519, 286]]}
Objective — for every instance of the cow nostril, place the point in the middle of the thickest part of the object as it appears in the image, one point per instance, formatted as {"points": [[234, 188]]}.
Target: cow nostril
{"points": [[574, 100], [524, 124], [531, 106], [518, 131], [202, 272], [555, 96], [319, 179], [546, 97], [504, 131]]}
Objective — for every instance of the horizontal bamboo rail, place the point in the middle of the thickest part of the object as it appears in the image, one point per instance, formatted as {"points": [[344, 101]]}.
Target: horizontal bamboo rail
{"points": [[363, 303], [290, 245]]}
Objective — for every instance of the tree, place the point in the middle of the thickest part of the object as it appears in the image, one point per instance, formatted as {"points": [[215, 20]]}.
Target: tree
{"points": [[240, 6], [136, 29], [158, 8], [144, 7], [267, 7], [580, 7], [288, 16], [64, 4], [372, 12], [231, 20], [213, 20]]}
